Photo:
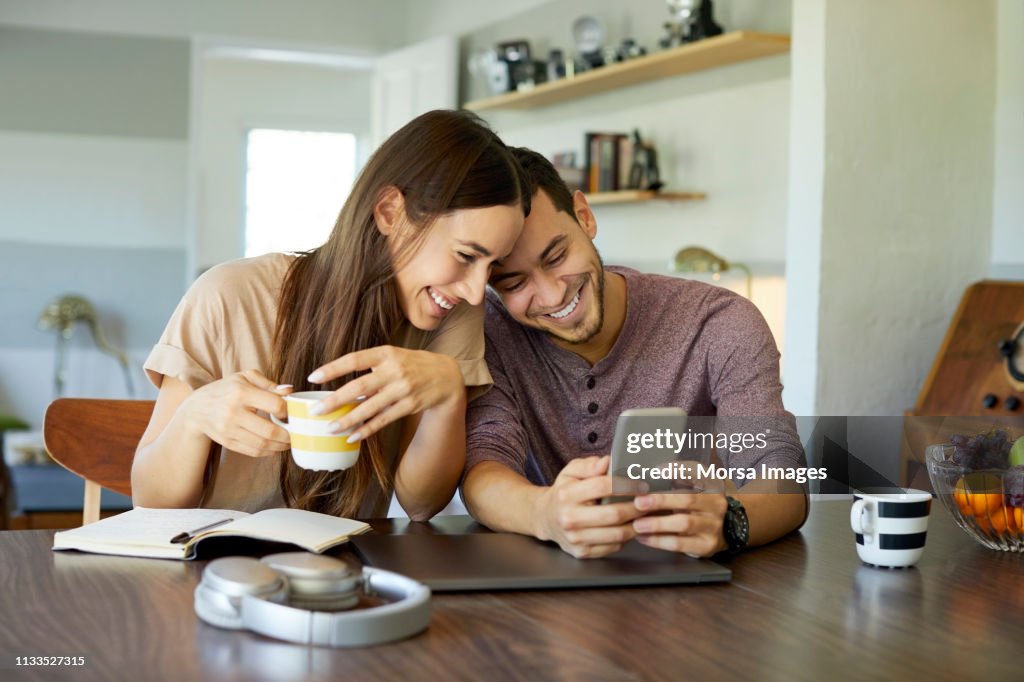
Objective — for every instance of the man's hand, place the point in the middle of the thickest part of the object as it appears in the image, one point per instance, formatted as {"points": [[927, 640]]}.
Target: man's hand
{"points": [[693, 524], [569, 512]]}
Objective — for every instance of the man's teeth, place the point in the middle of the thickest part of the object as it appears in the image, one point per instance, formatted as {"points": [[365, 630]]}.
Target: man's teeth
{"points": [[567, 310], [440, 301]]}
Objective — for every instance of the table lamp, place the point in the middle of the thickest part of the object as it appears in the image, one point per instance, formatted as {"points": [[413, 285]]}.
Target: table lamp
{"points": [[695, 259], [61, 315]]}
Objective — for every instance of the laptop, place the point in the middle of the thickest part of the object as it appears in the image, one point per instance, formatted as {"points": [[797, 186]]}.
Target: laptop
{"points": [[505, 561]]}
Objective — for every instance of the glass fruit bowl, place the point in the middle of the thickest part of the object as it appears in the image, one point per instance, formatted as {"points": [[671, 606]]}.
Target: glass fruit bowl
{"points": [[983, 492]]}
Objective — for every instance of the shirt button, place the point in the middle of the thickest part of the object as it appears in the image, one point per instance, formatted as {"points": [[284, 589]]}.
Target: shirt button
{"points": [[592, 437], [592, 408], [591, 381]]}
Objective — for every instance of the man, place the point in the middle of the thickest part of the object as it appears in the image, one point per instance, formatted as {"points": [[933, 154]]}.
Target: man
{"points": [[570, 345]]}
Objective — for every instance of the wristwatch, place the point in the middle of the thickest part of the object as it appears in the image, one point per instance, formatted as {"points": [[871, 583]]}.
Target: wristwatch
{"points": [[735, 526]]}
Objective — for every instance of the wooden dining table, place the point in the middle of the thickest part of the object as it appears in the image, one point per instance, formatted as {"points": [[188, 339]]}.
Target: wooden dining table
{"points": [[804, 607]]}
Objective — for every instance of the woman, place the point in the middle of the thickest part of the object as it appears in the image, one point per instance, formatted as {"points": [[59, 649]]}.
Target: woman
{"points": [[388, 308]]}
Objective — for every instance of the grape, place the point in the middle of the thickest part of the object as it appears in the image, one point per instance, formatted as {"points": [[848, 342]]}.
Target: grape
{"points": [[1013, 486], [990, 459], [981, 451]]}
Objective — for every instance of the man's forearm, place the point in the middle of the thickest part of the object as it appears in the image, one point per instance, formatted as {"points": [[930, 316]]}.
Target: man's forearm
{"points": [[772, 514], [501, 499]]}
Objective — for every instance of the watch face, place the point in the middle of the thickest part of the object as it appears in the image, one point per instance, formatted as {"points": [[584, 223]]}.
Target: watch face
{"points": [[736, 526]]}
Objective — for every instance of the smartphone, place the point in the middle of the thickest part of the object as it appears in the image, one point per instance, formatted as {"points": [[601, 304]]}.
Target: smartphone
{"points": [[641, 439]]}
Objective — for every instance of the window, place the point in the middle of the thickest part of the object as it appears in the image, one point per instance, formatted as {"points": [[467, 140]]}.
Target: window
{"points": [[295, 184]]}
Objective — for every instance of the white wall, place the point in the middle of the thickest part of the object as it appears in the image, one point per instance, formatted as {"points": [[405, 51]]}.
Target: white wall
{"points": [[92, 190], [234, 96], [806, 182], [905, 190], [425, 20], [1008, 199], [355, 24]]}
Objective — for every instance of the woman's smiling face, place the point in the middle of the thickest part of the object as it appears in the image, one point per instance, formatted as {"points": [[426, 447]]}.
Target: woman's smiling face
{"points": [[453, 261]]}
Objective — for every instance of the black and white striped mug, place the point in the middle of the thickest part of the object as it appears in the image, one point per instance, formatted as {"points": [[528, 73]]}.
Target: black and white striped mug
{"points": [[890, 527]]}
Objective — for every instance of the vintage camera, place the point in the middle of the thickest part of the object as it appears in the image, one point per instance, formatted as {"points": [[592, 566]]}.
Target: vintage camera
{"points": [[516, 69], [692, 20]]}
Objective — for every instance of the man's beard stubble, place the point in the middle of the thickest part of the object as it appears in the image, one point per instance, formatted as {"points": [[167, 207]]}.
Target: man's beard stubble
{"points": [[588, 334]]}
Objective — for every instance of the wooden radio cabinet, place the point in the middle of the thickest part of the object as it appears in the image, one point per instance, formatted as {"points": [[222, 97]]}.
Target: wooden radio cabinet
{"points": [[978, 371]]}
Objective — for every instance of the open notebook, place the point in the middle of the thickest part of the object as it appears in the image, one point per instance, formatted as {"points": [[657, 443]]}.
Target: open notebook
{"points": [[147, 532]]}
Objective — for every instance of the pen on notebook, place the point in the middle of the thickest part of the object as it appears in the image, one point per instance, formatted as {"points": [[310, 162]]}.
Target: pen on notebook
{"points": [[185, 536]]}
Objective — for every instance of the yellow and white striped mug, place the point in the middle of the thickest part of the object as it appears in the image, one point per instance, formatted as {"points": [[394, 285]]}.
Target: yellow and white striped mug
{"points": [[313, 446]]}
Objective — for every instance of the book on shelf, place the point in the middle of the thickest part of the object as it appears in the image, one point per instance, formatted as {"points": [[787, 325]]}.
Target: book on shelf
{"points": [[177, 533], [571, 174], [607, 161]]}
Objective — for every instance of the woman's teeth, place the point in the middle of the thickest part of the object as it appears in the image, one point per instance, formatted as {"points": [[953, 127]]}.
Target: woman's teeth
{"points": [[440, 300], [567, 310]]}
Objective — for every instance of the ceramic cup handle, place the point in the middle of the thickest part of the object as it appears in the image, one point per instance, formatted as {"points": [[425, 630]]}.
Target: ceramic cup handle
{"points": [[857, 521], [283, 425]]}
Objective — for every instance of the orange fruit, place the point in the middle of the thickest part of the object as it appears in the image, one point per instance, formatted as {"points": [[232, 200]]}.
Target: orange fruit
{"points": [[1018, 519], [998, 519], [983, 524], [963, 502], [984, 492], [986, 503]]}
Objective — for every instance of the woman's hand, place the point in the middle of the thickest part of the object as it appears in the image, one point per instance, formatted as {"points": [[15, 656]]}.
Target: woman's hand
{"points": [[401, 382], [225, 411]]}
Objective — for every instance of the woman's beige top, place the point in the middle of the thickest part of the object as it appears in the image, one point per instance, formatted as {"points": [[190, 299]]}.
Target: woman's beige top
{"points": [[225, 324]]}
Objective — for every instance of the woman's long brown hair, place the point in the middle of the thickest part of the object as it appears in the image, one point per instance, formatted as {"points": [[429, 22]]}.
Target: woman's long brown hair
{"points": [[340, 297]]}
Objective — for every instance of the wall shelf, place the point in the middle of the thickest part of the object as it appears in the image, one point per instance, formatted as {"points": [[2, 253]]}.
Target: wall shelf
{"points": [[634, 196], [728, 48]]}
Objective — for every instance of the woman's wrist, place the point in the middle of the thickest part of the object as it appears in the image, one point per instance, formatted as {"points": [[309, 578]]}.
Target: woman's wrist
{"points": [[186, 421], [455, 393]]}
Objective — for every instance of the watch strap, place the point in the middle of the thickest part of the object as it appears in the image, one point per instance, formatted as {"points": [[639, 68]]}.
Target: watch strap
{"points": [[735, 526]]}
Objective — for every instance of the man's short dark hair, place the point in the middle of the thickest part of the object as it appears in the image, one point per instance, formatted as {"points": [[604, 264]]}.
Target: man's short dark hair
{"points": [[541, 174]]}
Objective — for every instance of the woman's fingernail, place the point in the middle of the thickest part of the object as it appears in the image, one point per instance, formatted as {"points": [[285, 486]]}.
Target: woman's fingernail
{"points": [[643, 525], [643, 502], [316, 377], [281, 387], [354, 438], [317, 409]]}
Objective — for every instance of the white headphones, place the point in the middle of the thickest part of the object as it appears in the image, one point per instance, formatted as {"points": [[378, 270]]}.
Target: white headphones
{"points": [[297, 596]]}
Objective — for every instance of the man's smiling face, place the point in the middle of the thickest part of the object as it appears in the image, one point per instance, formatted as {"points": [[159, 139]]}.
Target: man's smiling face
{"points": [[553, 280]]}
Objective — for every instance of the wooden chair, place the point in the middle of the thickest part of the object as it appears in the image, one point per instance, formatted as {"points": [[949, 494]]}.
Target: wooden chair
{"points": [[96, 439]]}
